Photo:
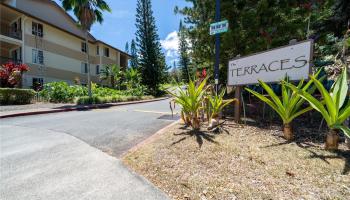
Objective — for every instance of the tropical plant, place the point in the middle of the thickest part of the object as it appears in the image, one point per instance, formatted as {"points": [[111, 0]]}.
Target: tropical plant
{"points": [[111, 73], [190, 100], [332, 107], [11, 74], [87, 12], [215, 105], [132, 77], [289, 106], [61, 92]]}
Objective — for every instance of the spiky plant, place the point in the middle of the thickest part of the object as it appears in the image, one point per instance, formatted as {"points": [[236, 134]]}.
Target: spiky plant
{"points": [[190, 100], [332, 107], [215, 105], [289, 106]]}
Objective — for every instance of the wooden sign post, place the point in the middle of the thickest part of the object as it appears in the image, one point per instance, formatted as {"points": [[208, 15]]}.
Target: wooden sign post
{"points": [[238, 108]]}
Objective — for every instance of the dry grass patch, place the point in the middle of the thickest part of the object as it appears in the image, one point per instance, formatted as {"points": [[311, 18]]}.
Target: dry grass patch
{"points": [[241, 163]]}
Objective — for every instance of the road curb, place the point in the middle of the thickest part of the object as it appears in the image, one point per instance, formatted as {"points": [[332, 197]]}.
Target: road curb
{"points": [[78, 108], [149, 139]]}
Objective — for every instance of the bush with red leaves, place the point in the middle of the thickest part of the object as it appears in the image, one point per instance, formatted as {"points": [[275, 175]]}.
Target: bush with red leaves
{"points": [[11, 74]]}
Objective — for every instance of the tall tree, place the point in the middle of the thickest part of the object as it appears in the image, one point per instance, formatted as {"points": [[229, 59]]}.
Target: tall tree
{"points": [[134, 57], [87, 12], [254, 25], [127, 47], [152, 60], [183, 51], [174, 75]]}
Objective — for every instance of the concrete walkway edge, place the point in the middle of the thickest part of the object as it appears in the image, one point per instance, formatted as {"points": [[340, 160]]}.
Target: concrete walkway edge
{"points": [[149, 139], [78, 107]]}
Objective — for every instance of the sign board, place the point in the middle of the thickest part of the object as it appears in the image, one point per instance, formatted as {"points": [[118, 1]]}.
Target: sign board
{"points": [[218, 27], [273, 65]]}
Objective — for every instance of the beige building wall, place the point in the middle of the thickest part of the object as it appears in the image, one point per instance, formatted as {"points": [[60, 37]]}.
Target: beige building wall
{"points": [[63, 57], [61, 45], [49, 12]]}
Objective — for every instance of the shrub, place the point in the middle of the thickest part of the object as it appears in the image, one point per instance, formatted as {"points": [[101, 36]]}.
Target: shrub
{"points": [[11, 74], [89, 100], [16, 96], [62, 92], [103, 91], [137, 91], [109, 99]]}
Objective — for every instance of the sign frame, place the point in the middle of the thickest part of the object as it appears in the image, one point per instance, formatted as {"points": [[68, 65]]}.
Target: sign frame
{"points": [[257, 53], [220, 22]]}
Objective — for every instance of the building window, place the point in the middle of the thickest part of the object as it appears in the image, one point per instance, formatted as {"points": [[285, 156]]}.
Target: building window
{"points": [[37, 56], [83, 47], [37, 29], [98, 50], [84, 68], [97, 69], [106, 52]]}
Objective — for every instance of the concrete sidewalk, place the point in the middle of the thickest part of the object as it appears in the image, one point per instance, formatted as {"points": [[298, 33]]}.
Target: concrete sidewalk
{"points": [[6, 113], [50, 165]]}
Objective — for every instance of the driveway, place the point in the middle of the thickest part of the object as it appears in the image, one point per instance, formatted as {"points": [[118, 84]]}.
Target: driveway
{"points": [[74, 155]]}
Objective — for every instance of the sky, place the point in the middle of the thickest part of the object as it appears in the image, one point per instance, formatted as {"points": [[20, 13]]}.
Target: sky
{"points": [[119, 27]]}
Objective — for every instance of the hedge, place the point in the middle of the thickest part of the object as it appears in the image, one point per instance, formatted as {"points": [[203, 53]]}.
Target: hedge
{"points": [[16, 96], [109, 99]]}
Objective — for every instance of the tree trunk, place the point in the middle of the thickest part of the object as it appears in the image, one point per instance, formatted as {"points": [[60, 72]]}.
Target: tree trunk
{"points": [[195, 123], [185, 118], [288, 131], [88, 64], [214, 121], [112, 81], [332, 140]]}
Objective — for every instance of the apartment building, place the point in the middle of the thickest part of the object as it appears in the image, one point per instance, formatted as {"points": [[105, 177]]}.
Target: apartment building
{"points": [[42, 35]]}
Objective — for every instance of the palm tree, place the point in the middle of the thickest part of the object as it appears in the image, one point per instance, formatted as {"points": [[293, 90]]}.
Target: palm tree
{"points": [[87, 12], [112, 73], [132, 77]]}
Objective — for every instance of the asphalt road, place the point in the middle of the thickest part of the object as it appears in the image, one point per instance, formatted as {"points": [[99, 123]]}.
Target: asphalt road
{"points": [[74, 155]]}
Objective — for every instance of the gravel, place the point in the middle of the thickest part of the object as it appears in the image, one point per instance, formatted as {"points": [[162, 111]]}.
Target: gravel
{"points": [[243, 162]]}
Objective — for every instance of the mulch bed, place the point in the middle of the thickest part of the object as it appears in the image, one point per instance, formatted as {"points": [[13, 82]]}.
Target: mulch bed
{"points": [[243, 162]]}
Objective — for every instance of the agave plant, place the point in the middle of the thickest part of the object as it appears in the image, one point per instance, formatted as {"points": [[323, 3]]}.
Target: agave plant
{"points": [[190, 100], [332, 107], [215, 105], [289, 106]]}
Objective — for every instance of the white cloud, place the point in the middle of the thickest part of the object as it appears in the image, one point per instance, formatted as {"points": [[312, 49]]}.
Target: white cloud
{"points": [[171, 41], [170, 45]]}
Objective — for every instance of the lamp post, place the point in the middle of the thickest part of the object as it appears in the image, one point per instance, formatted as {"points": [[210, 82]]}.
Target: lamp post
{"points": [[217, 47]]}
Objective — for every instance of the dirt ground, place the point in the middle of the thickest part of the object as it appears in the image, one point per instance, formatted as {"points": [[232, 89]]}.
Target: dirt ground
{"points": [[242, 162]]}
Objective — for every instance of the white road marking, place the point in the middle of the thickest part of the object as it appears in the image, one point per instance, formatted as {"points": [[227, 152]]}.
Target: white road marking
{"points": [[157, 112]]}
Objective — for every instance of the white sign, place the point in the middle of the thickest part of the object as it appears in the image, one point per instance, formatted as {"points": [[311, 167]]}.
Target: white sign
{"points": [[273, 65]]}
